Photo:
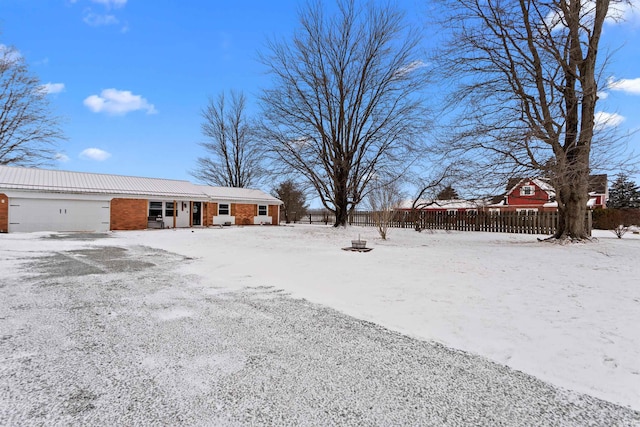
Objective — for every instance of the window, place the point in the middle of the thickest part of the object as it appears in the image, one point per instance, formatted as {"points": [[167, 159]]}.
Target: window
{"points": [[527, 190], [223, 209], [472, 212], [525, 211], [155, 209], [168, 209], [262, 210]]}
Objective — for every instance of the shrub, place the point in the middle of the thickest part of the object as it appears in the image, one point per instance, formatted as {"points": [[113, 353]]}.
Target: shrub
{"points": [[616, 220]]}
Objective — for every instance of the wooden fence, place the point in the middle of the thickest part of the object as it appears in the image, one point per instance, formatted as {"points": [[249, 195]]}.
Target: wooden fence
{"points": [[498, 222]]}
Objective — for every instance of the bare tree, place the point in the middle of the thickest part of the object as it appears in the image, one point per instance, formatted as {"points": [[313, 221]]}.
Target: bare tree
{"points": [[384, 199], [527, 73], [346, 102], [29, 131], [234, 157]]}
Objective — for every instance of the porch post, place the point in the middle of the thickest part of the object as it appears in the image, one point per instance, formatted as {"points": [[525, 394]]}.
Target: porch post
{"points": [[175, 211]]}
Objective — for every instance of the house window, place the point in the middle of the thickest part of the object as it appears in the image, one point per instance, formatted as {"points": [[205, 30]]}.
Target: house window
{"points": [[155, 209], [527, 190], [524, 211], [223, 209], [262, 210], [472, 212], [168, 209]]}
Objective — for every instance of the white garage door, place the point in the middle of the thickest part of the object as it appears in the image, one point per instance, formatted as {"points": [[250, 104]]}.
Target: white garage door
{"points": [[26, 215]]}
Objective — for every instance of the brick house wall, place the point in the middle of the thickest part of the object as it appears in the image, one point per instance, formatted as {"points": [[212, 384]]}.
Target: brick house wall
{"points": [[4, 213], [129, 214], [244, 213], [209, 210], [274, 212]]}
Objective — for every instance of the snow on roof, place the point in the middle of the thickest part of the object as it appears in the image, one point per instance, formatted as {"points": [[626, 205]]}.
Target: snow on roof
{"points": [[238, 194], [56, 181], [444, 204], [590, 203]]}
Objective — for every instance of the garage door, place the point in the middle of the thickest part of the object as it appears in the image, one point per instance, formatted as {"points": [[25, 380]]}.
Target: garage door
{"points": [[27, 215]]}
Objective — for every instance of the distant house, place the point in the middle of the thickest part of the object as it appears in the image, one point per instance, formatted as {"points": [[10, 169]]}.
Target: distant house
{"points": [[52, 200], [450, 206], [527, 195], [538, 195]]}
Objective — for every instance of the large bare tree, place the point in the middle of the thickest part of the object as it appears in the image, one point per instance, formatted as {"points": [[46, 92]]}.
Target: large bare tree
{"points": [[29, 131], [234, 158], [345, 105], [527, 79]]}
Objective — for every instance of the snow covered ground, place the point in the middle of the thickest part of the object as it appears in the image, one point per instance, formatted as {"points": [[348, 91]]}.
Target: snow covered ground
{"points": [[568, 315]]}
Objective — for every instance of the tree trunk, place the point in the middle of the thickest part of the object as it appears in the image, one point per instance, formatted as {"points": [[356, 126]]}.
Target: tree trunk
{"points": [[341, 200], [572, 209], [342, 212]]}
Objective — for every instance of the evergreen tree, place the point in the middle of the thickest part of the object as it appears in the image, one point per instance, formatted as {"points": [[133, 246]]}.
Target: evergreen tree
{"points": [[623, 193], [448, 193], [294, 198]]}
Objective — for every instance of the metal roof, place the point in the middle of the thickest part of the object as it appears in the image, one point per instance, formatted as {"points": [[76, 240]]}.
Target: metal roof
{"points": [[238, 194], [57, 181]]}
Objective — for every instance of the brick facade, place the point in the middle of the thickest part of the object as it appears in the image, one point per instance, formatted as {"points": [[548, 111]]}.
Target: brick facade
{"points": [[274, 212], [209, 210], [4, 213], [244, 213], [129, 214]]}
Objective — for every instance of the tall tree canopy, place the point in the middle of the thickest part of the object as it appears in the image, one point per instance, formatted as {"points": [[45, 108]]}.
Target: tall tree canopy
{"points": [[29, 131], [345, 105], [234, 158], [526, 73]]}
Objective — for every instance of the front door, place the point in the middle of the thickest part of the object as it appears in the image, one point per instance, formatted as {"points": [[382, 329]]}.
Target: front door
{"points": [[196, 213]]}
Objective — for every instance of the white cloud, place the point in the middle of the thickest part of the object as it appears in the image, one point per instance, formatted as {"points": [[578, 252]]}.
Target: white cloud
{"points": [[118, 102], [618, 12], [603, 95], [111, 3], [623, 11], [631, 86], [50, 88], [95, 154], [407, 69], [97, 20], [61, 157], [605, 120]]}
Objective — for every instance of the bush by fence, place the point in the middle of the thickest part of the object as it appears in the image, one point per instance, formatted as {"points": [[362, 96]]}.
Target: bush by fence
{"points": [[609, 219], [499, 222]]}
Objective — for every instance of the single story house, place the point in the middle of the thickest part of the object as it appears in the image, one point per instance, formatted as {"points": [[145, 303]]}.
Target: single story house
{"points": [[54, 200], [448, 206]]}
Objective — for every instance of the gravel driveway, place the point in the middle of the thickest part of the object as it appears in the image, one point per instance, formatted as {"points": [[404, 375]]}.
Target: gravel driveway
{"points": [[112, 336]]}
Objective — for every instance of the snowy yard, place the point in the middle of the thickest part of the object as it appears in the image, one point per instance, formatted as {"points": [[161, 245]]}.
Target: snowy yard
{"points": [[567, 315]]}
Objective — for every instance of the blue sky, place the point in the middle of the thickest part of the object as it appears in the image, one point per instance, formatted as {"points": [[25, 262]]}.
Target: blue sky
{"points": [[130, 77]]}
